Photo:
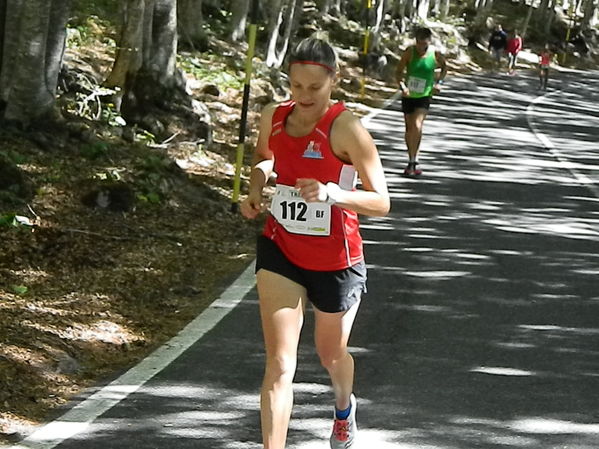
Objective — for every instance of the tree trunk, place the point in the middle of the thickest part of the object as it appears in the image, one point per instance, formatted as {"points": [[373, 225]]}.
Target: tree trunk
{"points": [[274, 26], [32, 60], [550, 17], [444, 8], [2, 31], [11, 27], [129, 53], [590, 15], [147, 74], [324, 6], [527, 21], [483, 11], [238, 19], [542, 11], [411, 9], [338, 8], [161, 63], [380, 14], [190, 20], [404, 11], [436, 8], [277, 50], [423, 6]]}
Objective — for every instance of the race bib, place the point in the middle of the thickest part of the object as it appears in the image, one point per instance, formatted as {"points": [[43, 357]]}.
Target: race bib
{"points": [[297, 216], [416, 85]]}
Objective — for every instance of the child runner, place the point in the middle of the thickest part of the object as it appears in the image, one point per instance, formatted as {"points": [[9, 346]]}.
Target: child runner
{"points": [[544, 62]]}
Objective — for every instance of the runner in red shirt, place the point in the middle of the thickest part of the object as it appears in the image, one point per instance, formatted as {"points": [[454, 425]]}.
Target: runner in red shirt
{"points": [[311, 249], [514, 45], [545, 59]]}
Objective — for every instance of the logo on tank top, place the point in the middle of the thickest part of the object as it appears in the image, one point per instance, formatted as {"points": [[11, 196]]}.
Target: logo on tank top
{"points": [[313, 151]]}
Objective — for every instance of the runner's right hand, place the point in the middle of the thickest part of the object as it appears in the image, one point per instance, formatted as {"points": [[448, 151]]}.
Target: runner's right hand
{"points": [[252, 206]]}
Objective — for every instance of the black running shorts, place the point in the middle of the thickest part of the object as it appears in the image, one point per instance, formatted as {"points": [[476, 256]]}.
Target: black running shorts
{"points": [[409, 105], [329, 291]]}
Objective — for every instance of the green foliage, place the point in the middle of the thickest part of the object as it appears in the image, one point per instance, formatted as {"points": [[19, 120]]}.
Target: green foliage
{"points": [[210, 70], [13, 156], [111, 116], [151, 198], [145, 136], [12, 220], [8, 220], [152, 178], [111, 175], [19, 289], [83, 9], [95, 150], [88, 31]]}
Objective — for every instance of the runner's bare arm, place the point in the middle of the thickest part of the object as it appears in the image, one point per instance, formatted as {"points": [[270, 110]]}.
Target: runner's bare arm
{"points": [[350, 141], [262, 166], [442, 62], [401, 69]]}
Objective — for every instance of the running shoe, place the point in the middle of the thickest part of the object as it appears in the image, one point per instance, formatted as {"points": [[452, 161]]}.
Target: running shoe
{"points": [[412, 169], [345, 430]]}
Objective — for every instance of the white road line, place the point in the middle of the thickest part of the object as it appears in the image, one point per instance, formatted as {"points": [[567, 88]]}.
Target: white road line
{"points": [[79, 418], [367, 118], [562, 159]]}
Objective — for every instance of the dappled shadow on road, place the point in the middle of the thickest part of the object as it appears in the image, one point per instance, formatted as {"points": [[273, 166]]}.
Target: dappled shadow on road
{"points": [[486, 272], [480, 327]]}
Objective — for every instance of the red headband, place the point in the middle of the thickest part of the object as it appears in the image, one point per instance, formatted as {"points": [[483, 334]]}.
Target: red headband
{"points": [[329, 68]]}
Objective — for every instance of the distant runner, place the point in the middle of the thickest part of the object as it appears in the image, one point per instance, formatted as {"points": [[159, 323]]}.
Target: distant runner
{"points": [[514, 45], [497, 45], [417, 81], [545, 59], [311, 249]]}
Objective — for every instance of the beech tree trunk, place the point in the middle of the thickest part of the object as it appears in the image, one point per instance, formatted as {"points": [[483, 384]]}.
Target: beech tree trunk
{"points": [[278, 45], [324, 6], [239, 12], [444, 8], [549, 16], [590, 14], [527, 21], [129, 53], [191, 19], [542, 11], [32, 41], [423, 6], [145, 67]]}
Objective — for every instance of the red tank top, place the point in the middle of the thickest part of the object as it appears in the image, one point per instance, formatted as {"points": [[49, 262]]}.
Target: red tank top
{"points": [[311, 156], [545, 58]]}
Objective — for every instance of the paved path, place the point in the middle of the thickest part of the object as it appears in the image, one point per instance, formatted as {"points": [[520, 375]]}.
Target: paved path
{"points": [[481, 326]]}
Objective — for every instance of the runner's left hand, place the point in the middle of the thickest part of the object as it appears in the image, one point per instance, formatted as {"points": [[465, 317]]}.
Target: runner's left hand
{"points": [[311, 190]]}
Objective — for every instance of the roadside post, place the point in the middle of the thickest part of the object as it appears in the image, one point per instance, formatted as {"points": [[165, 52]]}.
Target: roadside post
{"points": [[365, 49], [245, 105]]}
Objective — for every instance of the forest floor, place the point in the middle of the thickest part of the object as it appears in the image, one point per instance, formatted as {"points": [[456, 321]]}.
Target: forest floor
{"points": [[87, 292]]}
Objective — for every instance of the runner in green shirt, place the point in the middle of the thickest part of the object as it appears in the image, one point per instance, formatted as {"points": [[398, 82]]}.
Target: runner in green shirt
{"points": [[416, 75]]}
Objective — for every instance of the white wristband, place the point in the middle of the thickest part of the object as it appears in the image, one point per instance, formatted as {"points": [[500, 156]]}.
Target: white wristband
{"points": [[333, 191]]}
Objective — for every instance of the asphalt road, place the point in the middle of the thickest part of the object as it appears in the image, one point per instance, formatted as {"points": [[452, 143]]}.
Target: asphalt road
{"points": [[481, 325]]}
